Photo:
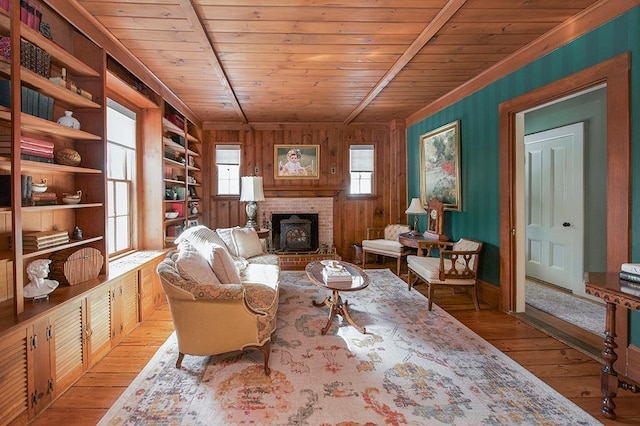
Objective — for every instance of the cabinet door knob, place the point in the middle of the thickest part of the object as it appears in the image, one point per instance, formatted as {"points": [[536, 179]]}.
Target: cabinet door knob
{"points": [[566, 224]]}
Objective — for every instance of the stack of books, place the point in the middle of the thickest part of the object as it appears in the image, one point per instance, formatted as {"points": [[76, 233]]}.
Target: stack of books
{"points": [[630, 272], [44, 239], [30, 149], [43, 199], [36, 149], [336, 275]]}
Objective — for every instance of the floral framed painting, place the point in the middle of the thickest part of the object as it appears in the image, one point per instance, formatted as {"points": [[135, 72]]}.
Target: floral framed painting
{"points": [[296, 161], [440, 166]]}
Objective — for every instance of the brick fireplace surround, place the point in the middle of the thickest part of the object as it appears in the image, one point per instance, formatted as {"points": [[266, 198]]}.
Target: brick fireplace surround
{"points": [[321, 205]]}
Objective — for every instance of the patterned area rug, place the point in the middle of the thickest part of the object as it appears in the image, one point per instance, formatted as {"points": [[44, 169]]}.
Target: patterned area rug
{"points": [[583, 313], [412, 367]]}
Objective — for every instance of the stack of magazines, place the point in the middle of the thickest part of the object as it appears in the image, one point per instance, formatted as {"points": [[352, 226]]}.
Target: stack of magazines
{"points": [[630, 272]]}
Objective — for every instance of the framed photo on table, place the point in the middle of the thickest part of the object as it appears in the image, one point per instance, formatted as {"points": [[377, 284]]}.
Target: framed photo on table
{"points": [[296, 161], [440, 166]]}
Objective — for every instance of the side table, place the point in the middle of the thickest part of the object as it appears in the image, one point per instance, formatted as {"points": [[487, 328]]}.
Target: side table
{"points": [[610, 288]]}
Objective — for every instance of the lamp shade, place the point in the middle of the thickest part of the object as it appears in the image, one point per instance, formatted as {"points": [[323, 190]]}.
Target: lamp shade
{"points": [[415, 207], [252, 189]]}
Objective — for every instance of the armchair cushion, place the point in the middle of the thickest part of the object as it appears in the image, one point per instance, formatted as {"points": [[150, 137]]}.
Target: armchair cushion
{"points": [[389, 246], [429, 269], [193, 266]]}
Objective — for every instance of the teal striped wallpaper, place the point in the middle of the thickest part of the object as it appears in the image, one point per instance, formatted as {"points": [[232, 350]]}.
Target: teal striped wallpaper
{"points": [[478, 114]]}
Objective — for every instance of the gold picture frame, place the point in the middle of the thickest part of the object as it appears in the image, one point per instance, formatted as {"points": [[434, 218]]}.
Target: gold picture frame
{"points": [[296, 161], [440, 166]]}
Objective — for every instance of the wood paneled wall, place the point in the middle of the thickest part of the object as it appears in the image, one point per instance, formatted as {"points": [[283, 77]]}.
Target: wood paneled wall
{"points": [[352, 214]]}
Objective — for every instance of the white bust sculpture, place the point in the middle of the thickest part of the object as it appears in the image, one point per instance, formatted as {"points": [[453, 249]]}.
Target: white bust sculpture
{"points": [[38, 286]]}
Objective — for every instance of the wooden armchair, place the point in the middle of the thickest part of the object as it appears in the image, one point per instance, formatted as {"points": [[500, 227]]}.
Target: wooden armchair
{"points": [[385, 242], [456, 265]]}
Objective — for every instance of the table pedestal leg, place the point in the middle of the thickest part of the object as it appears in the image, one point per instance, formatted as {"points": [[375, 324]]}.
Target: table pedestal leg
{"points": [[336, 306], [609, 376]]}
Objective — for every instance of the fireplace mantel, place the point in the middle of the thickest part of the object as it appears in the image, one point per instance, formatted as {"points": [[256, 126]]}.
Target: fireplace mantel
{"points": [[292, 191]]}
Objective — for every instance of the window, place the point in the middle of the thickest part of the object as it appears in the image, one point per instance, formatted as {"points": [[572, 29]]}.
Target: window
{"points": [[361, 162], [228, 169], [121, 172]]}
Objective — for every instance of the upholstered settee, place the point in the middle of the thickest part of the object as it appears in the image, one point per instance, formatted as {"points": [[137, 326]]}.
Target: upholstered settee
{"points": [[221, 302]]}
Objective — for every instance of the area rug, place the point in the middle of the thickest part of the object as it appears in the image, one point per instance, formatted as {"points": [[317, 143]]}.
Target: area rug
{"points": [[583, 313], [413, 367]]}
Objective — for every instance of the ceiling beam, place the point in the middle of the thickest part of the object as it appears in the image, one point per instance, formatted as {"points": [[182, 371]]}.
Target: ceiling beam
{"points": [[195, 17], [425, 36]]}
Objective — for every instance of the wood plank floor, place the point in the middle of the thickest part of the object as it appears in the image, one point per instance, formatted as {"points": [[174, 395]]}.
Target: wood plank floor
{"points": [[571, 372]]}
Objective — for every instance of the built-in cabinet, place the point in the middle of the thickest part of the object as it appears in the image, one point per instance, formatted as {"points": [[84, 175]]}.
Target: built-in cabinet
{"points": [[42, 357], [182, 174]]}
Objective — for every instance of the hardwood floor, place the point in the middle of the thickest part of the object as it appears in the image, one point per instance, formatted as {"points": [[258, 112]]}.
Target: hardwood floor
{"points": [[571, 372]]}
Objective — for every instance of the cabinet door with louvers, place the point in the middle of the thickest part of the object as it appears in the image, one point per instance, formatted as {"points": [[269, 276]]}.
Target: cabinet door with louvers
{"points": [[99, 315], [14, 381], [69, 354]]}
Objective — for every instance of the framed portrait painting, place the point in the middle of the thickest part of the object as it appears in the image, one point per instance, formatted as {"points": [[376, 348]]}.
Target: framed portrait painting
{"points": [[296, 161], [440, 166]]}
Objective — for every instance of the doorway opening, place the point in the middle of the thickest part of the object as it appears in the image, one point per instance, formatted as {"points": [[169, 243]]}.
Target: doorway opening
{"points": [[615, 243]]}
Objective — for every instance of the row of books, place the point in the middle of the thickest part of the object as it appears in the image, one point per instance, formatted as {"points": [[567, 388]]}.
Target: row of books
{"points": [[32, 102], [630, 272]]}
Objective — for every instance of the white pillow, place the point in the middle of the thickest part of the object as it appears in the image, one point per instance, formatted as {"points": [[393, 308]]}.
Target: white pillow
{"points": [[223, 266], [193, 266], [246, 242], [226, 236], [201, 238]]}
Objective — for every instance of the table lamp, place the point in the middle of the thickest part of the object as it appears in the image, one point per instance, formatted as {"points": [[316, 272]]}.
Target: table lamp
{"points": [[251, 193], [415, 208]]}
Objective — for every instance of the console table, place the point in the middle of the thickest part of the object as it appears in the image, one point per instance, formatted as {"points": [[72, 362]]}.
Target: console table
{"points": [[608, 287]]}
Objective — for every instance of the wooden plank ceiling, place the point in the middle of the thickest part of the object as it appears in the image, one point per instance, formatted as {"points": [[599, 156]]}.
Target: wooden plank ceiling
{"points": [[338, 61]]}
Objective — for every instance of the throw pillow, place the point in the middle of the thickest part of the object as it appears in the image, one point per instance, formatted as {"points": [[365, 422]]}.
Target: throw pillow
{"points": [[201, 238], [226, 235], [223, 266], [246, 242], [193, 266]]}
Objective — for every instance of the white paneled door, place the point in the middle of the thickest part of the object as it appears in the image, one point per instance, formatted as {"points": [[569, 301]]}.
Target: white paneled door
{"points": [[554, 194]]}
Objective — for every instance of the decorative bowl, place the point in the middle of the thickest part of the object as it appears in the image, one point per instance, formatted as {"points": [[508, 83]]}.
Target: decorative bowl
{"points": [[39, 187], [171, 215], [68, 157], [70, 200]]}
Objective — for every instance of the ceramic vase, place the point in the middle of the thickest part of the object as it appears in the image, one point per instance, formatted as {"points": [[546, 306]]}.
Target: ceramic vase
{"points": [[68, 120]]}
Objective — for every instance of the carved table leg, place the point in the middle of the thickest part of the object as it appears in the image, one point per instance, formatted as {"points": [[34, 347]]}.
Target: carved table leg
{"points": [[336, 306], [609, 376]]}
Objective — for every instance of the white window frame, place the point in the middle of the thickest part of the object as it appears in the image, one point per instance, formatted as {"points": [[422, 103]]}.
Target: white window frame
{"points": [[115, 216], [228, 170], [362, 163]]}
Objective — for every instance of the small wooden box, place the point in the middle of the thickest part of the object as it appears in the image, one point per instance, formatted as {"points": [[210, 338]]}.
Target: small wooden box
{"points": [[73, 266]]}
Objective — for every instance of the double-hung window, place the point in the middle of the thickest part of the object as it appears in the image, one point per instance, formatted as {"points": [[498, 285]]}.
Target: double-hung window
{"points": [[228, 169], [361, 168], [121, 174]]}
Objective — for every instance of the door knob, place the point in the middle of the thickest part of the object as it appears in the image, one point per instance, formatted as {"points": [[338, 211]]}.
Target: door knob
{"points": [[566, 224]]}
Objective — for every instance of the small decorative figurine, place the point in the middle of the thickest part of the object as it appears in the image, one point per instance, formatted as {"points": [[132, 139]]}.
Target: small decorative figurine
{"points": [[39, 287], [77, 233]]}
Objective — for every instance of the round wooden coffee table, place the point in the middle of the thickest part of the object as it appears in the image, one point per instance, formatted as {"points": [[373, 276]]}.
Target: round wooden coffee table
{"points": [[359, 280]]}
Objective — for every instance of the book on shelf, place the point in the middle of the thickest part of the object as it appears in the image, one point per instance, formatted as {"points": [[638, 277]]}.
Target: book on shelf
{"points": [[629, 276], [336, 275], [39, 196], [633, 268], [36, 158]]}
